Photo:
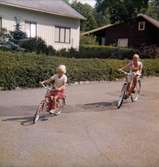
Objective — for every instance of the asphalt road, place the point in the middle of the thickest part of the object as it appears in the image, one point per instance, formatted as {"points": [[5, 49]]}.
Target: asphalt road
{"points": [[89, 133]]}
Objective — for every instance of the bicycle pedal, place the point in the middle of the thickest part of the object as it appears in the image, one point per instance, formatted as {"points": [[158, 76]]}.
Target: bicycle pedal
{"points": [[126, 97]]}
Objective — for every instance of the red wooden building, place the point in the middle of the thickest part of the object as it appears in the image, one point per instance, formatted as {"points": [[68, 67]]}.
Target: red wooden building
{"points": [[143, 31]]}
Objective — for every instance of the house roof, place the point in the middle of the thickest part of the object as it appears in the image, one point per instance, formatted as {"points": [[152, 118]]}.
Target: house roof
{"points": [[146, 17], [97, 29], [55, 7], [150, 20]]}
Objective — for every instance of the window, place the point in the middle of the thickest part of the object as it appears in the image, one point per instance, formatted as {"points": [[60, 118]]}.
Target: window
{"points": [[103, 40], [141, 26], [123, 42], [62, 34], [67, 36], [31, 29]]}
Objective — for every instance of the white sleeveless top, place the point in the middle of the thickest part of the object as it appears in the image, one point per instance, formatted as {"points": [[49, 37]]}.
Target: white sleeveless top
{"points": [[137, 68], [59, 81]]}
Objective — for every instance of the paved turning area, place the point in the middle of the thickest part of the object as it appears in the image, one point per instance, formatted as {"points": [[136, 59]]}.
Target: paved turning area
{"points": [[91, 132]]}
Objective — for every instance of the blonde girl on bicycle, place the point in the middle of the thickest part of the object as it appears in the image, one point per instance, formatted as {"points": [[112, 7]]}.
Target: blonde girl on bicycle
{"points": [[135, 67]]}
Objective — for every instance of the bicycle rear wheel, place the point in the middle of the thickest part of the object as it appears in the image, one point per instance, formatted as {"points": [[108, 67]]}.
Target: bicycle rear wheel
{"points": [[136, 94], [122, 96]]}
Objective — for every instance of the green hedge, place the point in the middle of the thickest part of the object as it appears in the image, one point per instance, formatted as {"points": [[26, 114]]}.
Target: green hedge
{"points": [[26, 70], [97, 51]]}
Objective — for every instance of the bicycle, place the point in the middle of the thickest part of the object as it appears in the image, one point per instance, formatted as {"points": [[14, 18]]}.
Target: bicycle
{"points": [[43, 106], [124, 91]]}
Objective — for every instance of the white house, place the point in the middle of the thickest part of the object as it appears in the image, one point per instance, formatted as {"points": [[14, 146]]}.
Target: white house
{"points": [[53, 20]]}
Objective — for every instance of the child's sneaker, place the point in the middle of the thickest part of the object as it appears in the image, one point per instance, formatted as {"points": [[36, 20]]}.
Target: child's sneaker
{"points": [[52, 111], [57, 113]]}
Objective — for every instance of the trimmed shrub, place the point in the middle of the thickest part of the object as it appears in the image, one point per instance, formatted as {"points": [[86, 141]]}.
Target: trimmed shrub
{"points": [[97, 51], [37, 45], [34, 45], [26, 70], [51, 51]]}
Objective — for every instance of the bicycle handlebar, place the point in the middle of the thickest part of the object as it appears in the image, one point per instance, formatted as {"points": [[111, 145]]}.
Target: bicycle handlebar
{"points": [[120, 70], [44, 86]]}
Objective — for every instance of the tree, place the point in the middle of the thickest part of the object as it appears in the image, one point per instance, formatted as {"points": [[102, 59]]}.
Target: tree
{"points": [[18, 34], [102, 19], [121, 10], [10, 40], [153, 9], [89, 13], [67, 1], [88, 40]]}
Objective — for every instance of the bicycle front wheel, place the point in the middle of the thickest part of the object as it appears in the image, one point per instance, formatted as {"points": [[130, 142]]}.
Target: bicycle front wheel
{"points": [[122, 96], [42, 107]]}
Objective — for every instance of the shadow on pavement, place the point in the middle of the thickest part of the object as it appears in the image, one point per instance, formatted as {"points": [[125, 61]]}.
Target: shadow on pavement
{"points": [[100, 106], [17, 110], [22, 120], [23, 113], [26, 121]]}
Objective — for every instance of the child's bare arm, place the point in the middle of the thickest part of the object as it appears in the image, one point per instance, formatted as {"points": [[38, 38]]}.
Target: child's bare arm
{"points": [[141, 68], [47, 81], [125, 67]]}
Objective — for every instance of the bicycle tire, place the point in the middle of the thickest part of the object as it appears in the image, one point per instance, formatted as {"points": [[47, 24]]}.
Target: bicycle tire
{"points": [[121, 97], [40, 109]]}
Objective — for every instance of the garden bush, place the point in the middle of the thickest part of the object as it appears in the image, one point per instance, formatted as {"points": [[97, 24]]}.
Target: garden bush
{"points": [[26, 70], [103, 52], [37, 45], [97, 51]]}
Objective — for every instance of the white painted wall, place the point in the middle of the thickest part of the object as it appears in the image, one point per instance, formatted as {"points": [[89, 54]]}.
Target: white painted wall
{"points": [[45, 25]]}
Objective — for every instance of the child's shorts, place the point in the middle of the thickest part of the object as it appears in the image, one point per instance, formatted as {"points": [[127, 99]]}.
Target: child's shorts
{"points": [[56, 93]]}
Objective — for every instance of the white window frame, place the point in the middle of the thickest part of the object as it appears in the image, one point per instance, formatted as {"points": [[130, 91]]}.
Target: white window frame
{"points": [[30, 23], [141, 26], [123, 42], [60, 31]]}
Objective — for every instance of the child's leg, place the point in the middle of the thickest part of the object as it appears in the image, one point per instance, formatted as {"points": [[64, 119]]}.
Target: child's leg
{"points": [[134, 83], [54, 102], [48, 101], [129, 80]]}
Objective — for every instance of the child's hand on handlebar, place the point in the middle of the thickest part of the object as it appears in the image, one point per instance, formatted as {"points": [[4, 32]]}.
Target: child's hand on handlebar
{"points": [[42, 82], [120, 69]]}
